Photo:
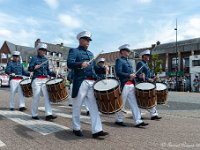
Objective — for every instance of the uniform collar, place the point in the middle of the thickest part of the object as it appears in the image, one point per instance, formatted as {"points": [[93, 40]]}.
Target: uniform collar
{"points": [[144, 61], [82, 48], [40, 56], [126, 58]]}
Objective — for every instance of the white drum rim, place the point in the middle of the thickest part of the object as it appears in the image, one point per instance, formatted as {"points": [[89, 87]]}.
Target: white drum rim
{"points": [[100, 90], [21, 83], [161, 89], [47, 83], [145, 89]]}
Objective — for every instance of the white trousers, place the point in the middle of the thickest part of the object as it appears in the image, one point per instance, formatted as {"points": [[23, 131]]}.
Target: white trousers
{"points": [[70, 100], [128, 94], [38, 86], [86, 93], [14, 88], [153, 112]]}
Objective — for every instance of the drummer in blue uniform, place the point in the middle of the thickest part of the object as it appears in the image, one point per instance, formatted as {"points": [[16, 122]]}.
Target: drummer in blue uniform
{"points": [[124, 71], [40, 67], [102, 67], [15, 70], [84, 78], [145, 74]]}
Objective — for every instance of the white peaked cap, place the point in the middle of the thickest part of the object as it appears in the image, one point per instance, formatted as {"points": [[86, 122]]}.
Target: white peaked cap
{"points": [[101, 59], [16, 53], [146, 52], [84, 34], [41, 46], [125, 46]]}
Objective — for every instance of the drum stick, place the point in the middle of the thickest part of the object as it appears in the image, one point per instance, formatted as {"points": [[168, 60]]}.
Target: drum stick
{"points": [[43, 63], [140, 68], [95, 57]]}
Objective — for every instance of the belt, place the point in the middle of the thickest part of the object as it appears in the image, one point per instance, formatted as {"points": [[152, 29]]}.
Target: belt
{"points": [[42, 77], [17, 78], [129, 82], [89, 78]]}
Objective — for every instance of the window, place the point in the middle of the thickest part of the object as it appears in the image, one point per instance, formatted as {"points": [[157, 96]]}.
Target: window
{"points": [[174, 62], [186, 62], [196, 63]]}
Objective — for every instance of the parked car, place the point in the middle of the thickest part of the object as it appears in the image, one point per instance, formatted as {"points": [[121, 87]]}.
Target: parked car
{"points": [[4, 80]]}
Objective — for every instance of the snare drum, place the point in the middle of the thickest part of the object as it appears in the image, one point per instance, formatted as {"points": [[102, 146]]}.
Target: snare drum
{"points": [[56, 90], [161, 93], [145, 95], [108, 95], [26, 87]]}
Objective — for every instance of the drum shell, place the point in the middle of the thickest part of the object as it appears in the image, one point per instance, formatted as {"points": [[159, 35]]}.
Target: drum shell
{"points": [[109, 101], [57, 91], [26, 88], [146, 99], [162, 95]]}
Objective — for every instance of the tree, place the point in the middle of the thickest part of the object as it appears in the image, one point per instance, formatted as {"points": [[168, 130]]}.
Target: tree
{"points": [[155, 64]]}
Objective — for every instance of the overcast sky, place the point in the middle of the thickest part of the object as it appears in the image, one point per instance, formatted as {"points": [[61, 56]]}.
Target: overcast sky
{"points": [[139, 23]]}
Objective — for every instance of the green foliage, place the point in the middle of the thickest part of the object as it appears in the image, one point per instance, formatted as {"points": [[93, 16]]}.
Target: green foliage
{"points": [[155, 64]]}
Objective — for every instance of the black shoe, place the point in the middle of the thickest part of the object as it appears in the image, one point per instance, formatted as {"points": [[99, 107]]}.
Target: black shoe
{"points": [[12, 109], [156, 118], [50, 117], [35, 118], [120, 124], [88, 113], [141, 124], [101, 133], [22, 109], [78, 133], [142, 118], [70, 105]]}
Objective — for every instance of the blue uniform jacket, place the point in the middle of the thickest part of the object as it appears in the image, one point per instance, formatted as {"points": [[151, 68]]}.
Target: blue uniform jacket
{"points": [[17, 68], [123, 69], [146, 70], [43, 70], [76, 57]]}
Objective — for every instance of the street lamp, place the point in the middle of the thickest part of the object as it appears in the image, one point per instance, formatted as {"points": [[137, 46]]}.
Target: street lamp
{"points": [[176, 58]]}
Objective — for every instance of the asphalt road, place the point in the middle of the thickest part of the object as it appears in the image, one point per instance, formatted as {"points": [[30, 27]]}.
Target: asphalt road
{"points": [[178, 129]]}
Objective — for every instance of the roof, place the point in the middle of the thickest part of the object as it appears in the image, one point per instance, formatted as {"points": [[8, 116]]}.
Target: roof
{"points": [[182, 46], [110, 57]]}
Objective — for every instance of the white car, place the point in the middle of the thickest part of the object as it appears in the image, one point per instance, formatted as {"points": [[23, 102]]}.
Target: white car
{"points": [[4, 80]]}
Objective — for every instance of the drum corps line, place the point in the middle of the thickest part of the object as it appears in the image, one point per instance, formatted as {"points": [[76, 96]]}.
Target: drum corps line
{"points": [[91, 86]]}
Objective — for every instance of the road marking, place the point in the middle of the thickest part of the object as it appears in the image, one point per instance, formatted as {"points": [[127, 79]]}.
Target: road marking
{"points": [[40, 126], [2, 144], [65, 114]]}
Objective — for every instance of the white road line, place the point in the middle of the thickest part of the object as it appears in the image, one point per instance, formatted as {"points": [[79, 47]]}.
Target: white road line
{"points": [[65, 114], [2, 144], [40, 126]]}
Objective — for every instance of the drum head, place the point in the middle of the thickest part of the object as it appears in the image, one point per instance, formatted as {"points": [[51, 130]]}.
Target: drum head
{"points": [[54, 81], [160, 87], [145, 86], [106, 84], [25, 81]]}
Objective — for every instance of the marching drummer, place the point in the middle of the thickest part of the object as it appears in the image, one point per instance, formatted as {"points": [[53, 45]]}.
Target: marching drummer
{"points": [[84, 78], [103, 68], [40, 67], [15, 70], [144, 74], [124, 71]]}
